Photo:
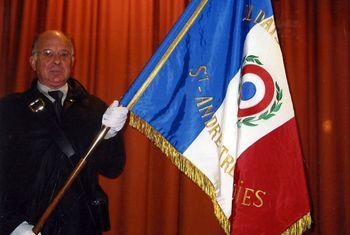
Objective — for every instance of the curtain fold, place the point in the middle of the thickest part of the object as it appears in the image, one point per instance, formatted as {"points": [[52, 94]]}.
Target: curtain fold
{"points": [[114, 40]]}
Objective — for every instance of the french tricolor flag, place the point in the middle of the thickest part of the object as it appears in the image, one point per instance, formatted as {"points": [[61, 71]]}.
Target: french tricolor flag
{"points": [[215, 99]]}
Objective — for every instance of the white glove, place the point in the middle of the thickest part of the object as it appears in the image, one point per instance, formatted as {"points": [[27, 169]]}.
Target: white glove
{"points": [[23, 229], [115, 118]]}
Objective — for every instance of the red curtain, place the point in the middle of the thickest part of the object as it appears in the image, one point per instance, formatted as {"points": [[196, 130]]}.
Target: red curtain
{"points": [[113, 41]]}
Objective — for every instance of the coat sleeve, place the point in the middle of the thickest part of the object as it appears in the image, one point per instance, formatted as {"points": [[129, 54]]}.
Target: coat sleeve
{"points": [[110, 157], [11, 206]]}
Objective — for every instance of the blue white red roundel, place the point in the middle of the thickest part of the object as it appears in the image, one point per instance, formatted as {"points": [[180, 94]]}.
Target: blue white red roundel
{"points": [[257, 90]]}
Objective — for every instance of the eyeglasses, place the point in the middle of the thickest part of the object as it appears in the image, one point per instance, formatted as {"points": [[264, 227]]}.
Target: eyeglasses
{"points": [[50, 54]]}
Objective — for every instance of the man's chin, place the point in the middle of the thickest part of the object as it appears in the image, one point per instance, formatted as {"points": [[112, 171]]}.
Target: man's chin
{"points": [[56, 83]]}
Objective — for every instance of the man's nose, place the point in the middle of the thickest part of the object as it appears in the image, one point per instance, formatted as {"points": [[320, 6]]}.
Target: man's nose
{"points": [[57, 59]]}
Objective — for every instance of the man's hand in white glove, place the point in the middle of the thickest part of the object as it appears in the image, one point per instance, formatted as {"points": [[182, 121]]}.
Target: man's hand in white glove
{"points": [[23, 229], [115, 118]]}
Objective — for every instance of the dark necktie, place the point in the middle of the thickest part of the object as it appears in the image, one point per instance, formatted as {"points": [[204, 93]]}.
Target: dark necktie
{"points": [[57, 95]]}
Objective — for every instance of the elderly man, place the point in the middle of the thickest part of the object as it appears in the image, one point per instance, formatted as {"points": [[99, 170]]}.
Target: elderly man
{"points": [[43, 133]]}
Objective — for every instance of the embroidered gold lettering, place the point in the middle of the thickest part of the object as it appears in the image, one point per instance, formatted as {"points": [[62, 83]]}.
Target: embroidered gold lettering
{"points": [[260, 17], [228, 164], [248, 13], [207, 111], [201, 68], [266, 24], [248, 196], [258, 195], [203, 100], [237, 193]]}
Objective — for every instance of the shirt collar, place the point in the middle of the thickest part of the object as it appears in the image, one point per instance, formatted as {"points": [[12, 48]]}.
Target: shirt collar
{"points": [[45, 89]]}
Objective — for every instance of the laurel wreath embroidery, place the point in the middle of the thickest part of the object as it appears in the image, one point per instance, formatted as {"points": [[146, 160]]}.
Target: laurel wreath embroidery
{"points": [[253, 59], [276, 106]]}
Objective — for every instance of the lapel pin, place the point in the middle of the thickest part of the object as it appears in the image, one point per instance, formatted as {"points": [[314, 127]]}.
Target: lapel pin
{"points": [[37, 105]]}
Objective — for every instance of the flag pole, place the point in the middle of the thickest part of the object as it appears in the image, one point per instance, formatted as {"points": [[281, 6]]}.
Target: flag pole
{"points": [[97, 140]]}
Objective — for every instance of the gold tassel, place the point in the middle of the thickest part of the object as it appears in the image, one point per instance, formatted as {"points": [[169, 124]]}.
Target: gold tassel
{"points": [[183, 164], [300, 226]]}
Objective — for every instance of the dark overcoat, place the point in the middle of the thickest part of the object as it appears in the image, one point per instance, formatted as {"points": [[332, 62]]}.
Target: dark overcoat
{"points": [[33, 166]]}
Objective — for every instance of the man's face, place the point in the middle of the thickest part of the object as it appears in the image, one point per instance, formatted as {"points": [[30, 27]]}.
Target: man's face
{"points": [[53, 60]]}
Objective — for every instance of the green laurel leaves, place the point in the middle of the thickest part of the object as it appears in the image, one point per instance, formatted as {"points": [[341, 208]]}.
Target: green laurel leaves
{"points": [[252, 59]]}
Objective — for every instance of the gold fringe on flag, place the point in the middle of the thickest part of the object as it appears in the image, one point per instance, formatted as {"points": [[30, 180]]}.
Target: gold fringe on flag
{"points": [[183, 164], [300, 226]]}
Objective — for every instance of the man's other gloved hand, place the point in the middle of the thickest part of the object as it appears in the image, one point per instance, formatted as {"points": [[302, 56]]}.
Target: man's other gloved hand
{"points": [[23, 229], [115, 118]]}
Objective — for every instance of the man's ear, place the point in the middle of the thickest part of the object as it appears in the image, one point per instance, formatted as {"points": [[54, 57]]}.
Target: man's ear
{"points": [[32, 61], [72, 62]]}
